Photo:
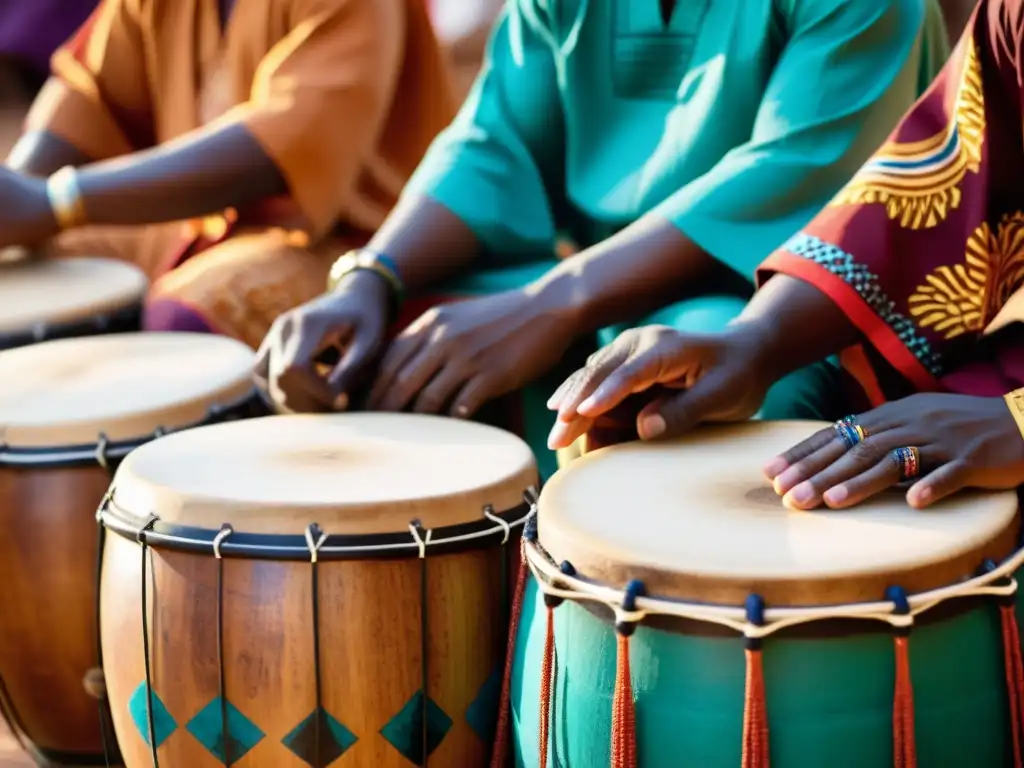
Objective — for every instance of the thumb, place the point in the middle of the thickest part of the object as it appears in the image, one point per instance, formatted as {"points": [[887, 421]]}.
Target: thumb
{"points": [[678, 413]]}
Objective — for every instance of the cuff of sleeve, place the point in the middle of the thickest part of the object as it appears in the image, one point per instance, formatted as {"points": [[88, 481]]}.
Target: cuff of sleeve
{"points": [[78, 119], [740, 245], [878, 333], [321, 193]]}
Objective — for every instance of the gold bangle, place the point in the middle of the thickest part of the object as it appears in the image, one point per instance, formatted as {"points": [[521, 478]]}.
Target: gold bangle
{"points": [[1015, 402], [65, 198]]}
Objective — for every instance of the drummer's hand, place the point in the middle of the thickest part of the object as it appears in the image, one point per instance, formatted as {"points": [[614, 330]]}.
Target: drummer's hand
{"points": [[26, 217], [353, 319], [964, 442], [454, 358], [721, 377]]}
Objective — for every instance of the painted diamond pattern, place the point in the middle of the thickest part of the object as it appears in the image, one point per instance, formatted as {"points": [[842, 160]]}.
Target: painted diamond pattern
{"points": [[138, 707], [482, 714], [404, 731], [207, 727], [335, 739]]}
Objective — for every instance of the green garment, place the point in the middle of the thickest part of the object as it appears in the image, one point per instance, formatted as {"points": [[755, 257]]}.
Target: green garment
{"points": [[737, 123]]}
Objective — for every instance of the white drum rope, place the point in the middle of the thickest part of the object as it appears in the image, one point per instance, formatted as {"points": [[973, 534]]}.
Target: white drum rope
{"points": [[553, 582]]}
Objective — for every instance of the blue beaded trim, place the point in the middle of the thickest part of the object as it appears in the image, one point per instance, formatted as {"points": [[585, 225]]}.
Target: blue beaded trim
{"points": [[865, 283]]}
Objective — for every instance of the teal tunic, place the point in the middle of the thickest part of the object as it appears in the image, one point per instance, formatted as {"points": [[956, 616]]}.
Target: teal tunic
{"points": [[736, 122]]}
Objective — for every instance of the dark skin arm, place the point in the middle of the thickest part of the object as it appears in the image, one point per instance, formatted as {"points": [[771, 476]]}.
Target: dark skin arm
{"points": [[40, 153], [202, 173], [427, 242]]}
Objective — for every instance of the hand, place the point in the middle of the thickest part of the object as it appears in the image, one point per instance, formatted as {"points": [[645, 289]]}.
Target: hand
{"points": [[721, 377], [456, 357], [964, 442], [353, 319], [25, 214]]}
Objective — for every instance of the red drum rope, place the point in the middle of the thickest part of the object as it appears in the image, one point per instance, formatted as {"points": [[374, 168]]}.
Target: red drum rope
{"points": [[500, 752], [904, 746], [755, 714], [1014, 678], [623, 745], [755, 708], [623, 710], [545, 686]]}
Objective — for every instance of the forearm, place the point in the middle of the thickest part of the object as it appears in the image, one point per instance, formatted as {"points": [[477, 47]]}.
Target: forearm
{"points": [[39, 153], [645, 266], [427, 242], [795, 324], [199, 174]]}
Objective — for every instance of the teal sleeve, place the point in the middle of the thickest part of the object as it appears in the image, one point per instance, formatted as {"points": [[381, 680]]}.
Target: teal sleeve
{"points": [[493, 167], [845, 77]]}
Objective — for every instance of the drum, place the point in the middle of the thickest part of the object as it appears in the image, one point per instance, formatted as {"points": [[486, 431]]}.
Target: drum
{"points": [[44, 299], [675, 613], [299, 589], [69, 412]]}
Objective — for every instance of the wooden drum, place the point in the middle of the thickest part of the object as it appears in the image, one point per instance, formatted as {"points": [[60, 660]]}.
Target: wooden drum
{"points": [[324, 590], [44, 299], [676, 614], [69, 411]]}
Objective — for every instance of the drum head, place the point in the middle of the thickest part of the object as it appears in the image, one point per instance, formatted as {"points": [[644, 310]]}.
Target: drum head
{"points": [[70, 391], [56, 291], [695, 519], [359, 473]]}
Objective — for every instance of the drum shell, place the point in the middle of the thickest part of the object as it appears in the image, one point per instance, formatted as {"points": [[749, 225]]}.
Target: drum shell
{"points": [[48, 607], [829, 688], [370, 648]]}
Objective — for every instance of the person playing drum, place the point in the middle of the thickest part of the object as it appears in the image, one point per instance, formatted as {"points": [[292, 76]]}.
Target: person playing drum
{"points": [[281, 131], [674, 142], [913, 275]]}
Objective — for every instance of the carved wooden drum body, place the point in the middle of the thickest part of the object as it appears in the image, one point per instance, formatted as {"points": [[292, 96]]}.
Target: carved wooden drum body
{"points": [[323, 590], [70, 410], [676, 613], [43, 299]]}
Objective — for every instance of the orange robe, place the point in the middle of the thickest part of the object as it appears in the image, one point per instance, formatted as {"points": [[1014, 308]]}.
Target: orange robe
{"points": [[343, 95]]}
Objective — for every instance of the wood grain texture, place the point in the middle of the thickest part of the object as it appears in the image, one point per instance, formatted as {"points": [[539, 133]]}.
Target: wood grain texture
{"points": [[370, 630], [48, 594]]}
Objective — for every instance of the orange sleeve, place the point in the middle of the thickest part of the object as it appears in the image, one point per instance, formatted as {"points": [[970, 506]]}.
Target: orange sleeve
{"points": [[98, 98], [321, 96]]}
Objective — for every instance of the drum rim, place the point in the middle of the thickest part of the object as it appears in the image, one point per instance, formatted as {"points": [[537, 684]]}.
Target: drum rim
{"points": [[104, 451], [993, 579], [46, 331], [493, 527]]}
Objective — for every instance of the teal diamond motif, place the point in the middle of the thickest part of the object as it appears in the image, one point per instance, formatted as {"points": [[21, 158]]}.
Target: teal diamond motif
{"points": [[207, 727], [404, 731], [482, 714], [138, 707], [335, 739]]}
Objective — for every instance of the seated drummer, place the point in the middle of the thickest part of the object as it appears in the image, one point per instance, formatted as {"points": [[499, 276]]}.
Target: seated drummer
{"points": [[282, 131], [915, 272], [677, 143]]}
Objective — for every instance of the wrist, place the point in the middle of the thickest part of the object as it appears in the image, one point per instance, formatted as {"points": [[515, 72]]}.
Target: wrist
{"points": [[763, 346], [562, 296], [368, 263]]}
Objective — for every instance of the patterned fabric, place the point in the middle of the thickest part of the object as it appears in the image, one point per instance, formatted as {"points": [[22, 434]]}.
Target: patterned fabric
{"points": [[924, 248]]}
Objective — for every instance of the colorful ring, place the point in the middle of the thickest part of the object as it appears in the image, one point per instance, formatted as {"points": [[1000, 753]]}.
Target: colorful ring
{"points": [[849, 431], [908, 462]]}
